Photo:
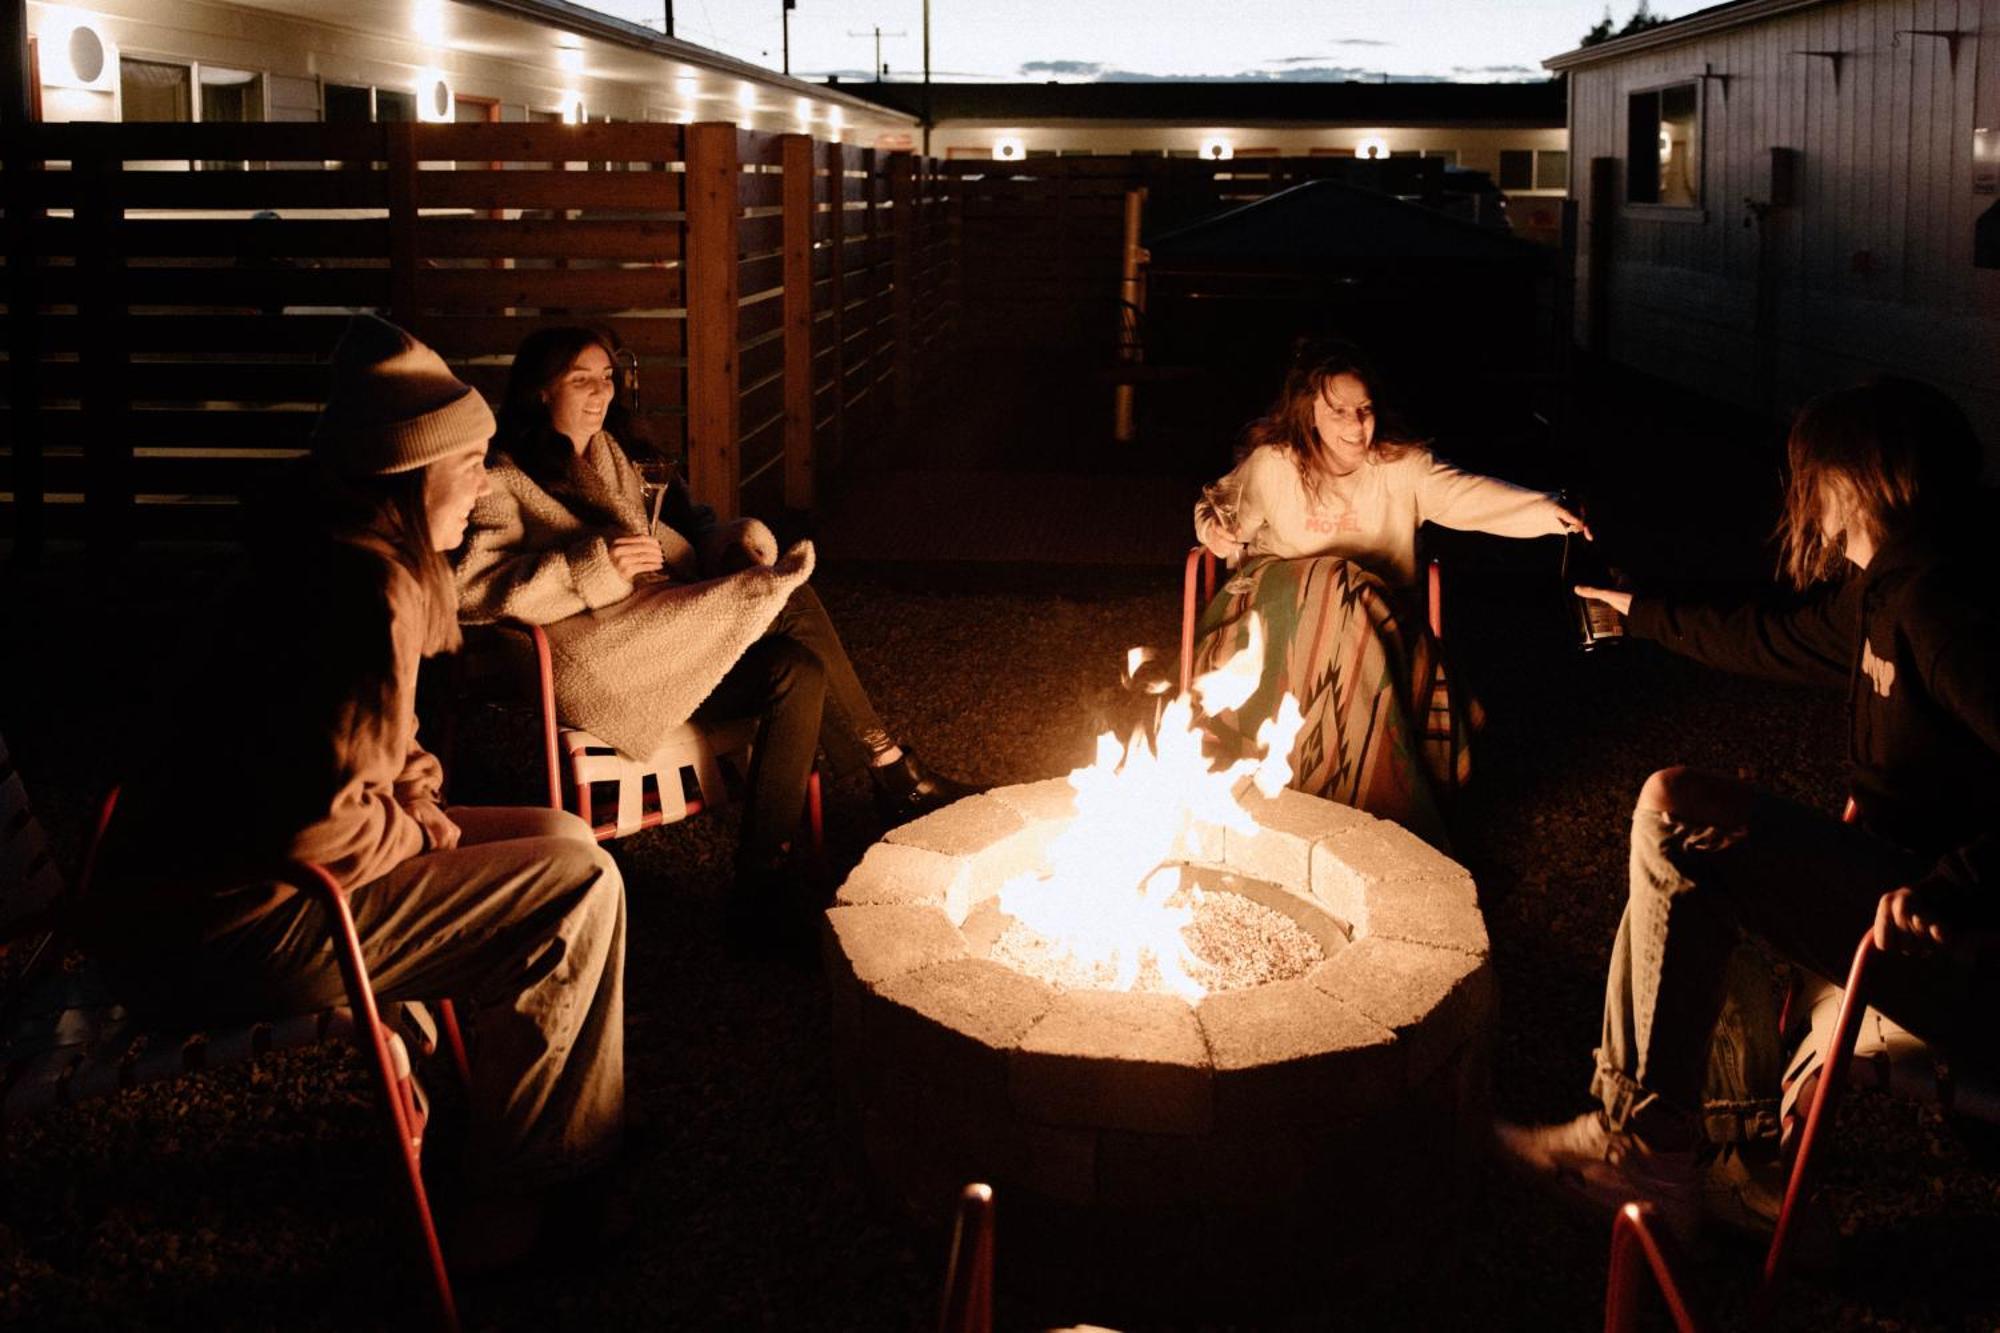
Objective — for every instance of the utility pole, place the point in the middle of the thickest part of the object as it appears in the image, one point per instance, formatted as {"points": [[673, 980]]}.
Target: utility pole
{"points": [[927, 78], [669, 30], [785, 20], [879, 35]]}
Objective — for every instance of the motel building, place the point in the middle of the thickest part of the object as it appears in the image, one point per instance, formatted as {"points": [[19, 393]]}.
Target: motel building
{"points": [[1780, 196], [424, 60]]}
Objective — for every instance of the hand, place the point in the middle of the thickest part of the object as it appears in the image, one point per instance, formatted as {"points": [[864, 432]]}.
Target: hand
{"points": [[1904, 923], [635, 556], [1572, 523], [1618, 601], [439, 831], [1221, 542]]}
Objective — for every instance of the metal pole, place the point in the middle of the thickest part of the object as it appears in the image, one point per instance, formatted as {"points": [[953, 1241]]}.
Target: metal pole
{"points": [[927, 78], [670, 18], [16, 97], [785, 21]]}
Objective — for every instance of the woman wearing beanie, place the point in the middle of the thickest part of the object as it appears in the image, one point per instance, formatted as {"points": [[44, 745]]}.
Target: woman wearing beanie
{"points": [[656, 614], [297, 740]]}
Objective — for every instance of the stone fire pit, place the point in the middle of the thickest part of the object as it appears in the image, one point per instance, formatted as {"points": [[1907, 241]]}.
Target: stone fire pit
{"points": [[1163, 1151]]}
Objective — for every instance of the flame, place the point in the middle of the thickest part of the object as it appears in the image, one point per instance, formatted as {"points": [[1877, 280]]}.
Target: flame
{"points": [[1106, 894]]}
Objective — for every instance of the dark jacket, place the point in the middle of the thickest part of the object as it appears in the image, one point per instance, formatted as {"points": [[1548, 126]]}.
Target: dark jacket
{"points": [[1916, 641]]}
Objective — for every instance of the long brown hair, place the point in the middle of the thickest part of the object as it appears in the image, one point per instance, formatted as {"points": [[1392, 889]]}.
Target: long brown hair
{"points": [[527, 435], [1894, 455], [391, 509], [1289, 422]]}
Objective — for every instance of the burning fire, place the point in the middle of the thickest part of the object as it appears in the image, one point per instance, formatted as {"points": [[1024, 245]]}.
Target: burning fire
{"points": [[1106, 896]]}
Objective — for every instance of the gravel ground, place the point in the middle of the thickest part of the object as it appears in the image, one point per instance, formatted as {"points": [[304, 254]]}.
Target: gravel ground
{"points": [[255, 1196]]}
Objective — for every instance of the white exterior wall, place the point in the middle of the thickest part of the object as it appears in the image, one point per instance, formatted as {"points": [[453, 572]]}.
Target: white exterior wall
{"points": [[1477, 147], [1873, 264], [378, 45]]}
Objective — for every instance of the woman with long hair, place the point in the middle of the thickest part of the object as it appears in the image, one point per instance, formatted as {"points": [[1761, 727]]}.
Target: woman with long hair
{"points": [[296, 740], [1319, 519], [1890, 602], [657, 616]]}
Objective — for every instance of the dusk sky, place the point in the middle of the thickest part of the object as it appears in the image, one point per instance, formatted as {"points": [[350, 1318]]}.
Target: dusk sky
{"points": [[1463, 40]]}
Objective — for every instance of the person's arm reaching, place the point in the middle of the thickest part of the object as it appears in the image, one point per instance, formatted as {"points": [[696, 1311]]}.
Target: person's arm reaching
{"points": [[1813, 643]]}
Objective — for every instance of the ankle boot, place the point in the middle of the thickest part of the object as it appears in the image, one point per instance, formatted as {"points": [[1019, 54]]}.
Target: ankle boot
{"points": [[906, 790]]}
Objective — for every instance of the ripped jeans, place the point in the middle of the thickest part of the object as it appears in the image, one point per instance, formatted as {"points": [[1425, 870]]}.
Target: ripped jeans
{"points": [[1805, 883]]}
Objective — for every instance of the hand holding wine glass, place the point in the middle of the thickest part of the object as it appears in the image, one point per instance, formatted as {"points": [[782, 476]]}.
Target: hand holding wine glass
{"points": [[639, 557]]}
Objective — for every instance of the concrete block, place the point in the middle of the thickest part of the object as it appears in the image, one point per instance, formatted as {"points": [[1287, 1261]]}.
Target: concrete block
{"points": [[894, 875], [1115, 1060], [875, 943], [1433, 999], [1059, 1163], [954, 1023], [1051, 800], [1018, 854], [961, 828], [1288, 825], [1387, 882], [1288, 1052]]}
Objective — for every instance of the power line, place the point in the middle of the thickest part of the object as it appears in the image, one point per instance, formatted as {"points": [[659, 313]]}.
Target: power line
{"points": [[880, 68]]}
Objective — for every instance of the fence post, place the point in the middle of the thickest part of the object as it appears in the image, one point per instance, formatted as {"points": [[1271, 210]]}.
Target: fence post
{"points": [[797, 158], [709, 256], [24, 343], [109, 502], [401, 155], [836, 247], [902, 201]]}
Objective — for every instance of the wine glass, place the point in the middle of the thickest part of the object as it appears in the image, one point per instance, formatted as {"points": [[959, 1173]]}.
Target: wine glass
{"points": [[656, 478]]}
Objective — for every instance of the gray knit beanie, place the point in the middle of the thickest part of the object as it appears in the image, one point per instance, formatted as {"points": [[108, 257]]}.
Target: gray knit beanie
{"points": [[395, 406]]}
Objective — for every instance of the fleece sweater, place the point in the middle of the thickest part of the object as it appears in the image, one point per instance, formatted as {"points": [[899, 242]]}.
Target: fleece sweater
{"points": [[632, 662], [1371, 515]]}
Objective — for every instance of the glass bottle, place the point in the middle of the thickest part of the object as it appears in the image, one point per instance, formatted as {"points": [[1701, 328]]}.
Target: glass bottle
{"points": [[1596, 623]]}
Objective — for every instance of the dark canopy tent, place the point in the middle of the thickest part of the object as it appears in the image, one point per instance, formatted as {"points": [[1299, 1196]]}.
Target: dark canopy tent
{"points": [[1458, 317]]}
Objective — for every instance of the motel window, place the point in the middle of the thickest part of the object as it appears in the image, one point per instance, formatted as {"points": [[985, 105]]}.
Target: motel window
{"points": [[348, 105], [395, 106], [155, 90], [1663, 147], [231, 95], [1534, 169]]}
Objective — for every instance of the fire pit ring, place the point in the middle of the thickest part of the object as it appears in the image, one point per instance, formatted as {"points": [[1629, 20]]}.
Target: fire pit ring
{"points": [[1175, 1151]]}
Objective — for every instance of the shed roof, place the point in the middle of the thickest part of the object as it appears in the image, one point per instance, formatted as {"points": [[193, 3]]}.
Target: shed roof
{"points": [[1314, 224], [1540, 103], [1716, 18]]}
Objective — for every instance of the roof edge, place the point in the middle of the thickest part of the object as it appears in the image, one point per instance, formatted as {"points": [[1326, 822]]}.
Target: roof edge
{"points": [[638, 37], [1698, 24]]}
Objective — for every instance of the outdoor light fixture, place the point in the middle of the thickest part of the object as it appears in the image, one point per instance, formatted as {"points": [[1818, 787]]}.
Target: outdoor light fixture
{"points": [[435, 99], [746, 96], [572, 108], [834, 120], [1372, 146], [1217, 149], [1009, 149], [1666, 146], [75, 55]]}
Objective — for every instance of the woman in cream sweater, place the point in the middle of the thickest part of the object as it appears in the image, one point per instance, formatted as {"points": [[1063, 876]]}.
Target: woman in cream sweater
{"points": [[1319, 519], [654, 617]]}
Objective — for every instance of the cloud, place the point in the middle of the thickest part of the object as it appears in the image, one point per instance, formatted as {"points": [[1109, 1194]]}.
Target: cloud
{"points": [[1065, 68], [1501, 71], [1312, 74], [1359, 41]]}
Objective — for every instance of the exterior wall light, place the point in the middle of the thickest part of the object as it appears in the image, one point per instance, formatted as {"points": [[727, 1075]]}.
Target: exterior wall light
{"points": [[1009, 149], [1217, 149], [75, 55], [1372, 146], [435, 99], [572, 108]]}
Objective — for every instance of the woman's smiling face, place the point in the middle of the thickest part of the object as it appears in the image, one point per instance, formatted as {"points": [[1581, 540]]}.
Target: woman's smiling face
{"points": [[1344, 417], [581, 395]]}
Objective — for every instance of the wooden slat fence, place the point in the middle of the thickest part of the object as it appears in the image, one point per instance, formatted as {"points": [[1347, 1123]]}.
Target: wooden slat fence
{"points": [[1039, 241], [168, 329]]}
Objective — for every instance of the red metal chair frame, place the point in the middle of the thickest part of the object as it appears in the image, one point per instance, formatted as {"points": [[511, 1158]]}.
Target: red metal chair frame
{"points": [[1200, 569], [552, 755], [968, 1274], [1637, 1233], [404, 1121]]}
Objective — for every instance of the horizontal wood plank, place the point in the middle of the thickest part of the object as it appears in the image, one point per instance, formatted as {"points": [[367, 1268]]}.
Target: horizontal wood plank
{"points": [[456, 290]]}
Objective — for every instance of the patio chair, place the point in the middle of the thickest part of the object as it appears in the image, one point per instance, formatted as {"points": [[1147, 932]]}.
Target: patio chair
{"points": [[1637, 1233], [64, 1038], [1199, 575], [1848, 1041], [968, 1273], [682, 777]]}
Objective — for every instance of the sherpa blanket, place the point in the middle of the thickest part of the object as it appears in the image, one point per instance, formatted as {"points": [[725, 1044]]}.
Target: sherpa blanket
{"points": [[632, 662]]}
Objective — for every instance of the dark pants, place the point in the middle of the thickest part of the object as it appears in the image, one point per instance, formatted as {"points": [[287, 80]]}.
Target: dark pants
{"points": [[798, 682], [1799, 879]]}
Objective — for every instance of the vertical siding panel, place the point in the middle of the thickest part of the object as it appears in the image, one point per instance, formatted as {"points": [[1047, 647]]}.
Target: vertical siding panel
{"points": [[1956, 168], [1901, 15]]}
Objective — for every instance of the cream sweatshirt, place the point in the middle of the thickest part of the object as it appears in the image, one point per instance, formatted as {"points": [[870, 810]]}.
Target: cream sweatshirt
{"points": [[1372, 514]]}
